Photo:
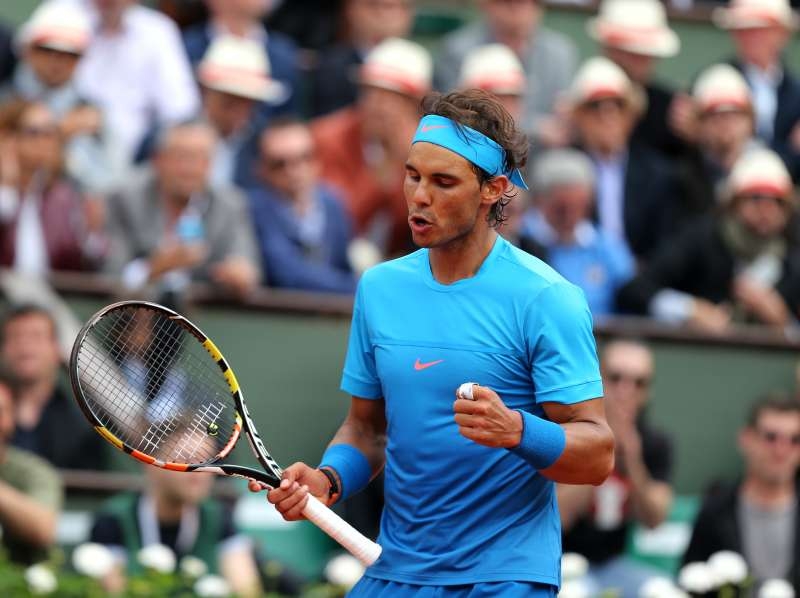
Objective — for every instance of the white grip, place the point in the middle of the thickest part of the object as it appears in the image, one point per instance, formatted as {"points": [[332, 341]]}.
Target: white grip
{"points": [[465, 391], [361, 547]]}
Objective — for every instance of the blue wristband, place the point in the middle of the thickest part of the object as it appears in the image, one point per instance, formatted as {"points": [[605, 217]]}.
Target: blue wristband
{"points": [[542, 441], [351, 465]]}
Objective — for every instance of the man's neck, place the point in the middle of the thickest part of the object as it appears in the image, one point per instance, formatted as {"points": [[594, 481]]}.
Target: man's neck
{"points": [[462, 258], [766, 67], [766, 495], [233, 24], [517, 42], [167, 511], [31, 399]]}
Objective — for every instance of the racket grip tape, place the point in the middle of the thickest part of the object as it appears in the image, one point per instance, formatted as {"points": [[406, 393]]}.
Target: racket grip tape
{"points": [[361, 547]]}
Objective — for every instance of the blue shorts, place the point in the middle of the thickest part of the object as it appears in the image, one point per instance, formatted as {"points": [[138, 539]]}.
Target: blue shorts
{"points": [[368, 587]]}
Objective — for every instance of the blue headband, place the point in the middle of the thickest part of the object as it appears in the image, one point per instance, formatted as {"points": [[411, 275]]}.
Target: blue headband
{"points": [[468, 143]]}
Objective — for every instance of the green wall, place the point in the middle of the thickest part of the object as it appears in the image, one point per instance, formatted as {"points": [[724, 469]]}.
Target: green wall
{"points": [[289, 368]]}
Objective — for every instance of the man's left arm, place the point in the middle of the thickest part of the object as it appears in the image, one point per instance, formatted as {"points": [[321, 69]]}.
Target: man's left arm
{"points": [[648, 473]]}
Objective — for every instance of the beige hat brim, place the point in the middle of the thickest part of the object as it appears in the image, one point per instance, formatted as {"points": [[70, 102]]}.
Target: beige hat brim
{"points": [[663, 44], [269, 90], [730, 19]]}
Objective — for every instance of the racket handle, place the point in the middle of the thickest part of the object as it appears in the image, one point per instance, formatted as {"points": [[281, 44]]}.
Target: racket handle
{"points": [[361, 547]]}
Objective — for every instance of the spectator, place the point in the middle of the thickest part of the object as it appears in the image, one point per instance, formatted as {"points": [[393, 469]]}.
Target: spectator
{"points": [[723, 111], [177, 511], [761, 30], [366, 24], [634, 34], [52, 42], [596, 520], [244, 19], [496, 69], [363, 149], [636, 189], [303, 230], [757, 516], [234, 76], [169, 225], [549, 59], [563, 186], [48, 423], [737, 266], [45, 222], [135, 70], [30, 495]]}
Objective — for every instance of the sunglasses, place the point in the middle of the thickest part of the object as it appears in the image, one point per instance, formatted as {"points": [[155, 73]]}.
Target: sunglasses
{"points": [[640, 382], [772, 437], [604, 104], [761, 198], [281, 162], [39, 132]]}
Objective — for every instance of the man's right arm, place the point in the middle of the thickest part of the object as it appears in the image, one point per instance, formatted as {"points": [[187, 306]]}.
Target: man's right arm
{"points": [[364, 429], [29, 519]]}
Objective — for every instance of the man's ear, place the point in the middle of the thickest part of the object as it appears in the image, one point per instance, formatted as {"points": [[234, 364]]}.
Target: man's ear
{"points": [[492, 190]]}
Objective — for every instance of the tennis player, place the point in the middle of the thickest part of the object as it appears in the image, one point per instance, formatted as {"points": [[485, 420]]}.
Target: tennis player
{"points": [[470, 508]]}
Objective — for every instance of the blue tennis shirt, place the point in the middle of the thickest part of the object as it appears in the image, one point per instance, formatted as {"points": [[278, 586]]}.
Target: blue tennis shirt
{"points": [[457, 512]]}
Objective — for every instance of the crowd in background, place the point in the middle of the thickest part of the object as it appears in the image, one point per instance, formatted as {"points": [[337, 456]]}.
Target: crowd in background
{"points": [[226, 152]]}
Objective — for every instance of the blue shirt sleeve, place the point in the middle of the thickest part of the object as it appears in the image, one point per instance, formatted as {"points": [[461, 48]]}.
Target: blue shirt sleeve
{"points": [[561, 346], [360, 376]]}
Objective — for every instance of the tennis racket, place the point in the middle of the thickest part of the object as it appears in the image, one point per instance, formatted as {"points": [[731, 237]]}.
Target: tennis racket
{"points": [[153, 385]]}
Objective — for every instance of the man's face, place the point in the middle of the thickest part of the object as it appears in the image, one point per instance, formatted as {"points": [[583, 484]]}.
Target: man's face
{"points": [[725, 133], [627, 370], [111, 10], [30, 348], [512, 18], [638, 67], [39, 139], [381, 109], [604, 125], [443, 196], [251, 9], [761, 46], [52, 67], [565, 206], [183, 164], [287, 159], [372, 21], [228, 113], [764, 215], [179, 488], [771, 448]]}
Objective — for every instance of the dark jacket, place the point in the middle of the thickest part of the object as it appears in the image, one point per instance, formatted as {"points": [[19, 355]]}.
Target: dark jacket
{"points": [[7, 57], [333, 81], [786, 117], [63, 437], [699, 263], [653, 128], [717, 528], [288, 261]]}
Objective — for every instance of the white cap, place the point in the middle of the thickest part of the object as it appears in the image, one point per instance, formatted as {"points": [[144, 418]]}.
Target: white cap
{"points": [[721, 88], [636, 26], [240, 67], [760, 171], [562, 167], [599, 78], [494, 68], [398, 65], [59, 26], [750, 14]]}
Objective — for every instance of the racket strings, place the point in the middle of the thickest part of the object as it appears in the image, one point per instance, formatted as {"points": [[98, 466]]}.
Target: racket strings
{"points": [[154, 387]]}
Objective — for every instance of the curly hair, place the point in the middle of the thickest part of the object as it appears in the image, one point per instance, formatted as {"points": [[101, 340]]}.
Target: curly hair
{"points": [[480, 110]]}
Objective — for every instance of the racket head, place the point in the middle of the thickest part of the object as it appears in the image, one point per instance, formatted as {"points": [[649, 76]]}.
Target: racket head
{"points": [[153, 385]]}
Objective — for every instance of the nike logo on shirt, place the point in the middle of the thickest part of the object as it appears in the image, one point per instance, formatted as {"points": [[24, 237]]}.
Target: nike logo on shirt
{"points": [[418, 365], [426, 128]]}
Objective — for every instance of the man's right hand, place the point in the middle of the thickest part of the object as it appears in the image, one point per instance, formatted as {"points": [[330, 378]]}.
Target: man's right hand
{"points": [[178, 256], [290, 497]]}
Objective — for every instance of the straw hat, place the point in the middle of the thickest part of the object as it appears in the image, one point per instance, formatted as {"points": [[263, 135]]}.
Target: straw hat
{"points": [[599, 78], [760, 171], [494, 68], [637, 26], [750, 14], [58, 26], [240, 67], [398, 65], [721, 88]]}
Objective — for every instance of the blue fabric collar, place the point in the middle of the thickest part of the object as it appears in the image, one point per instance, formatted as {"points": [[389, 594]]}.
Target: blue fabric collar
{"points": [[468, 143]]}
